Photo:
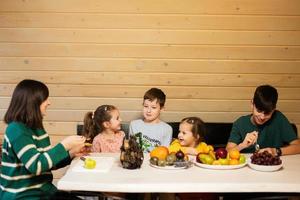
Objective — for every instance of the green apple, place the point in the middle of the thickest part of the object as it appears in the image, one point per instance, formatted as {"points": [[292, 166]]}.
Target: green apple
{"points": [[216, 162], [209, 159], [242, 159], [223, 161], [89, 163]]}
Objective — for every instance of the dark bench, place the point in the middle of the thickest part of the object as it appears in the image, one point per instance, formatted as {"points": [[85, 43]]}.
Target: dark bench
{"points": [[217, 134]]}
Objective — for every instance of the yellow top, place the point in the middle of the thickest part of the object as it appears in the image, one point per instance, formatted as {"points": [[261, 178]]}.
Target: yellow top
{"points": [[201, 148]]}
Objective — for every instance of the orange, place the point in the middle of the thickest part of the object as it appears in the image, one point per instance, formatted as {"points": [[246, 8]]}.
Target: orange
{"points": [[161, 152], [186, 157], [234, 162], [234, 154]]}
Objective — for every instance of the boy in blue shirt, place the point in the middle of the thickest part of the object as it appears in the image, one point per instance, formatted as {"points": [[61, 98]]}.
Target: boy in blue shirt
{"points": [[266, 128], [154, 131]]}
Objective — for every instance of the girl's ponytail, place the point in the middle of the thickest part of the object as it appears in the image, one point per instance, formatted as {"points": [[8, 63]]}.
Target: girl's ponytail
{"points": [[89, 128]]}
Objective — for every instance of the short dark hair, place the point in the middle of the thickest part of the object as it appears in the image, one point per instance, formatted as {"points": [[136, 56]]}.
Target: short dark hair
{"points": [[156, 93], [265, 98], [25, 104]]}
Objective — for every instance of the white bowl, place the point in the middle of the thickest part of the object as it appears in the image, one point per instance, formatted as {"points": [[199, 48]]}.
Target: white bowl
{"points": [[264, 168]]}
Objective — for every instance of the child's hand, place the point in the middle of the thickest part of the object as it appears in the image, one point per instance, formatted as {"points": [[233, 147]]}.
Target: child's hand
{"points": [[73, 142]]}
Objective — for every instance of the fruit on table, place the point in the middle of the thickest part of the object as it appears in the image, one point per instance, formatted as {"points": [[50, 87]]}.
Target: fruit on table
{"points": [[154, 160], [234, 162], [242, 159], [161, 152], [89, 163], [161, 163], [204, 148], [224, 161], [180, 155], [265, 158], [220, 156], [234, 154], [160, 156], [221, 153], [171, 158], [208, 159]]}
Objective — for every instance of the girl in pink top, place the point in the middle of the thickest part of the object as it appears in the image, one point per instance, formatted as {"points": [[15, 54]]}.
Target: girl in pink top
{"points": [[103, 127]]}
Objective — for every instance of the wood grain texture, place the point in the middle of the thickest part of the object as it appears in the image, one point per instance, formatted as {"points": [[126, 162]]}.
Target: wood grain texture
{"points": [[161, 21], [208, 56], [262, 7]]}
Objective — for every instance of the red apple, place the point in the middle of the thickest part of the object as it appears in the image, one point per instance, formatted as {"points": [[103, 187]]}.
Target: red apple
{"points": [[221, 153]]}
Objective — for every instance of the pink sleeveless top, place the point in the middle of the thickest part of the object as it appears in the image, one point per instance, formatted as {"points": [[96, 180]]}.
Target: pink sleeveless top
{"points": [[105, 145]]}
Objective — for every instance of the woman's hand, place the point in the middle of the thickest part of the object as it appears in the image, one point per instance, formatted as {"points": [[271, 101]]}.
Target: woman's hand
{"points": [[73, 143]]}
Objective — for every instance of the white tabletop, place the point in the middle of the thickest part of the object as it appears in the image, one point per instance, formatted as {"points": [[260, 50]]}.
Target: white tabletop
{"points": [[195, 179]]}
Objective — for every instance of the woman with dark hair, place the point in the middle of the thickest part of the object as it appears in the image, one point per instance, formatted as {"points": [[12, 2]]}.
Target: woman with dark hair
{"points": [[27, 156]]}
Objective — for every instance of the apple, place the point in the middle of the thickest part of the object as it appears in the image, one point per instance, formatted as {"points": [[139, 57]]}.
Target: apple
{"points": [[223, 161], [221, 153], [89, 163], [242, 159]]}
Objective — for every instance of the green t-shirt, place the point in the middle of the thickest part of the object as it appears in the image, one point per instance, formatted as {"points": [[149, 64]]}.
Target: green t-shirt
{"points": [[274, 133]]}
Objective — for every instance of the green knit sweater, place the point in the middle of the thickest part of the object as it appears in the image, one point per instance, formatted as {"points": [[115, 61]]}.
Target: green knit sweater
{"points": [[27, 161]]}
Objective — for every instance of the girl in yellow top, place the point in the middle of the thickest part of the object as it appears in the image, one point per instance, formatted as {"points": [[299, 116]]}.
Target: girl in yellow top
{"points": [[191, 134]]}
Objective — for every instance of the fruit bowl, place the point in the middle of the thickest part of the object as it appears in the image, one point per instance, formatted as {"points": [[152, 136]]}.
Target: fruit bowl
{"points": [[219, 166], [264, 168]]}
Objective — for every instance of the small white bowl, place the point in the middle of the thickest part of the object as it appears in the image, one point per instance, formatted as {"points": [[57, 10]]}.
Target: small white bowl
{"points": [[264, 168]]}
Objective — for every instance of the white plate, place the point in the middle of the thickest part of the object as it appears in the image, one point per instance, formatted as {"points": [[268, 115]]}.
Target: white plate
{"points": [[264, 168], [219, 166], [103, 164], [172, 167]]}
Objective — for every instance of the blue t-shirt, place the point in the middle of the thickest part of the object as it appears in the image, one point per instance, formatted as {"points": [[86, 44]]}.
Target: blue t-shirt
{"points": [[159, 134]]}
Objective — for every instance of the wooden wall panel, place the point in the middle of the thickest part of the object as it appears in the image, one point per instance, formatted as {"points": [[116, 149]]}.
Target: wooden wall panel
{"points": [[132, 78], [149, 21], [136, 91], [223, 66], [208, 56], [156, 51], [267, 7], [133, 36]]}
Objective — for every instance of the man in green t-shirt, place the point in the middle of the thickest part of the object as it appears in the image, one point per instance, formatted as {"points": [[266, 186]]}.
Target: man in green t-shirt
{"points": [[266, 128]]}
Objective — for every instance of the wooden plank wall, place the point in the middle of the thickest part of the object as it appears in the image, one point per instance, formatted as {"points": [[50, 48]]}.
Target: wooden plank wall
{"points": [[207, 55]]}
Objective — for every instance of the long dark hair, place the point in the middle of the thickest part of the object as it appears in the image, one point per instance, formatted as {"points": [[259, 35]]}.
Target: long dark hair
{"points": [[93, 121], [25, 104]]}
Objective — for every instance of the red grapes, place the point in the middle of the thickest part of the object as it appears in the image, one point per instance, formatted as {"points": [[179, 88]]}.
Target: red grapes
{"points": [[265, 158]]}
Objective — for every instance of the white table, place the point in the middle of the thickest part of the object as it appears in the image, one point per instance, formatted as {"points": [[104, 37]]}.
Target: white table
{"points": [[195, 179]]}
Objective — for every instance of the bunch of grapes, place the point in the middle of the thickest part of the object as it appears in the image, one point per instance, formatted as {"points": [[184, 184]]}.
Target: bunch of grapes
{"points": [[265, 158]]}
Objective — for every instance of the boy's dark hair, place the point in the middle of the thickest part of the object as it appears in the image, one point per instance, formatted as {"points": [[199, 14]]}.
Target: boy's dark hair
{"points": [[93, 121], [156, 93], [198, 127], [265, 98], [25, 104]]}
